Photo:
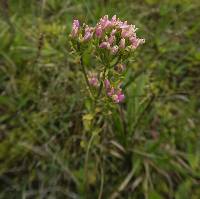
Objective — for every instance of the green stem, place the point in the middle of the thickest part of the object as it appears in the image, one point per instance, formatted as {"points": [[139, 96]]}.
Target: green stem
{"points": [[101, 86], [86, 78], [86, 162]]}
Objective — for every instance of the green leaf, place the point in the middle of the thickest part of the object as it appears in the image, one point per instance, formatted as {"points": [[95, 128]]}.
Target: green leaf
{"points": [[155, 195], [183, 190], [136, 91]]}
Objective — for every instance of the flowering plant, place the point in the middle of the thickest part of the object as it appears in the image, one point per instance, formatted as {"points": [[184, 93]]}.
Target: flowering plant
{"points": [[109, 46], [112, 43]]}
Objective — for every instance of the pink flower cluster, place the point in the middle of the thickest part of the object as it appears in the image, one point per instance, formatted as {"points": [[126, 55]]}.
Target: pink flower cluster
{"points": [[75, 28], [89, 31], [115, 36], [109, 32], [115, 94], [93, 79]]}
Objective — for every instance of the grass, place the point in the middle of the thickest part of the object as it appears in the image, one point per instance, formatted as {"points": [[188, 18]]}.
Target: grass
{"points": [[146, 148]]}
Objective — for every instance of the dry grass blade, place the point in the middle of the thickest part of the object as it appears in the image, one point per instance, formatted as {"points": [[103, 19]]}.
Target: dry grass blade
{"points": [[118, 146], [123, 185], [116, 154], [136, 183], [165, 174]]}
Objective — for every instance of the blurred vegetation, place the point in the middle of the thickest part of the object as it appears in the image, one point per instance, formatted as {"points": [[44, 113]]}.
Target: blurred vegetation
{"points": [[146, 148]]}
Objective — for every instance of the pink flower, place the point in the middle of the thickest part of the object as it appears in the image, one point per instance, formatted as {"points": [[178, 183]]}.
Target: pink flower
{"points": [[114, 20], [135, 42], [123, 25], [93, 80], [114, 50], [113, 32], [105, 22], [87, 36], [122, 44], [99, 31], [107, 84], [116, 94], [104, 45], [76, 23], [111, 92], [111, 40], [109, 89], [118, 97], [88, 33], [128, 31], [75, 28]]}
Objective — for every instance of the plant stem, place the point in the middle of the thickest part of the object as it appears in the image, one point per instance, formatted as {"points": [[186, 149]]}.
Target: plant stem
{"points": [[101, 86], [122, 119], [86, 78], [86, 162]]}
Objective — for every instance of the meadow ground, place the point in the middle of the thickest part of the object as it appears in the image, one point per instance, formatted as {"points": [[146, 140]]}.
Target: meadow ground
{"points": [[148, 147]]}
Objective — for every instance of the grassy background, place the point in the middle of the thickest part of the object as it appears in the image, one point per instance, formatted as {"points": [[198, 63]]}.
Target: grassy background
{"points": [[147, 148]]}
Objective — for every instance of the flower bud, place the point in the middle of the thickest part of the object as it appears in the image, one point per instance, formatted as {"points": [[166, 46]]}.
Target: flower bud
{"points": [[114, 50], [88, 33], [93, 80], [107, 84], [75, 28], [118, 97], [99, 31], [113, 32], [122, 43], [87, 36], [104, 45], [120, 68], [111, 40]]}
